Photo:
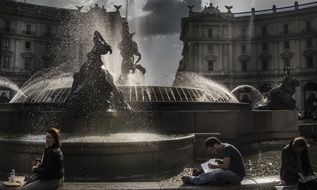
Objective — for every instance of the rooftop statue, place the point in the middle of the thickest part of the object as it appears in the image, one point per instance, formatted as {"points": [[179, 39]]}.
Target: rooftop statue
{"points": [[280, 97], [79, 8], [93, 85], [117, 7], [228, 8], [128, 49], [190, 7], [211, 10], [214, 11]]}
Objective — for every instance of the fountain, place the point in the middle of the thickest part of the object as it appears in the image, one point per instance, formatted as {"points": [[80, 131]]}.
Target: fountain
{"points": [[117, 133], [126, 133], [141, 139], [154, 140]]}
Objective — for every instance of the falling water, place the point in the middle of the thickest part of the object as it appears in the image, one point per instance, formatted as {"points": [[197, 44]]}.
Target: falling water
{"points": [[43, 82], [256, 95], [179, 95], [135, 79], [148, 94], [172, 93], [4, 82], [136, 93], [153, 92], [215, 91]]}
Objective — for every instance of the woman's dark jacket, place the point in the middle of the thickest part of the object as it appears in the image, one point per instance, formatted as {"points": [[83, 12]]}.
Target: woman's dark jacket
{"points": [[52, 165], [289, 169]]}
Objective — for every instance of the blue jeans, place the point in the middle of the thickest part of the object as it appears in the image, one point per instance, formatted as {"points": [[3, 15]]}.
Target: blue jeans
{"points": [[217, 177]]}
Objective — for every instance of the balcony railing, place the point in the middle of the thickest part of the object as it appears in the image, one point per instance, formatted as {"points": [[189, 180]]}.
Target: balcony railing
{"points": [[274, 72], [24, 32], [7, 30], [33, 33], [274, 9]]}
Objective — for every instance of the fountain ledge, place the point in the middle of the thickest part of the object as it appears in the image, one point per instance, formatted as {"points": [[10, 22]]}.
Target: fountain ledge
{"points": [[257, 183]]}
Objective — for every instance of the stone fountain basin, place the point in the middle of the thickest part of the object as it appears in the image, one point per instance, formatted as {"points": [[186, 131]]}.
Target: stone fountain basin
{"points": [[104, 161], [162, 117]]}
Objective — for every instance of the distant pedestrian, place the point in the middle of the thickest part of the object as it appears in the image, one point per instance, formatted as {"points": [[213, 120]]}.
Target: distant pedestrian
{"points": [[229, 171], [296, 168], [49, 172]]}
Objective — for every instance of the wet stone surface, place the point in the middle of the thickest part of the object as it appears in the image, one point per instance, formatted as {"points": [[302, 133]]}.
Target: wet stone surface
{"points": [[263, 164]]}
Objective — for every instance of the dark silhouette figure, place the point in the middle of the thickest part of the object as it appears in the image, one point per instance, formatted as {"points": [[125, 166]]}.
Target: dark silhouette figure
{"points": [[4, 98]]}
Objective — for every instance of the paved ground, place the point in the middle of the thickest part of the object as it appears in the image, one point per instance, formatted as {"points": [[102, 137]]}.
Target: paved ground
{"points": [[264, 183]]}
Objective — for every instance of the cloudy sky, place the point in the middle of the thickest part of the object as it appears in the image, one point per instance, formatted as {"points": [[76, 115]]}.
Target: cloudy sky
{"points": [[157, 26]]}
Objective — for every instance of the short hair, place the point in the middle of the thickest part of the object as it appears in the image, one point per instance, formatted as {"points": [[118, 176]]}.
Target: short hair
{"points": [[211, 141], [56, 135], [300, 142]]}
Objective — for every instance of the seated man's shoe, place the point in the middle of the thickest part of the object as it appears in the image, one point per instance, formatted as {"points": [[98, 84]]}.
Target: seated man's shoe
{"points": [[186, 180]]}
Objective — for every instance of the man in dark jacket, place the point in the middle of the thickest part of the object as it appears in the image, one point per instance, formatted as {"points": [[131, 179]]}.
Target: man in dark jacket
{"points": [[295, 163]]}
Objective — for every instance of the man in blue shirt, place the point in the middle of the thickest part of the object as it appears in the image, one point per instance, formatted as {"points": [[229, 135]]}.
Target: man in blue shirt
{"points": [[231, 168]]}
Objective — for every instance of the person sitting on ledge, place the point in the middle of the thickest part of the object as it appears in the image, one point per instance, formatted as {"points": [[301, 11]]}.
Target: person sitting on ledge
{"points": [[229, 171], [49, 172], [296, 168]]}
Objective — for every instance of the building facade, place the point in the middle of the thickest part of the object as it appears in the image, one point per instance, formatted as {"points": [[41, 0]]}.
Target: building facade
{"points": [[35, 37], [24, 30], [253, 48]]}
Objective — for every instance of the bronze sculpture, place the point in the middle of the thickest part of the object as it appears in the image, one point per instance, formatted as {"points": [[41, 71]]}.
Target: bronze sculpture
{"points": [[128, 49], [93, 86], [280, 97]]}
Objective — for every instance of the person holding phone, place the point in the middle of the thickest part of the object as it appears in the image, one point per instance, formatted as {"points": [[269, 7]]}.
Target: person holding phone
{"points": [[49, 172]]}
